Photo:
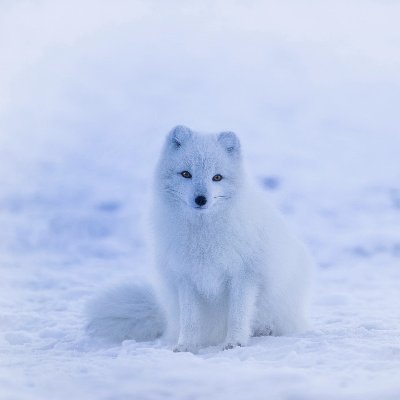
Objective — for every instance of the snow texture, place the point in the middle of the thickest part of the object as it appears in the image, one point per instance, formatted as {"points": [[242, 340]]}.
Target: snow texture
{"points": [[88, 91]]}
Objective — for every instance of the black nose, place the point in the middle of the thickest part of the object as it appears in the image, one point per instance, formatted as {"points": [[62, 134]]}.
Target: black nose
{"points": [[200, 200]]}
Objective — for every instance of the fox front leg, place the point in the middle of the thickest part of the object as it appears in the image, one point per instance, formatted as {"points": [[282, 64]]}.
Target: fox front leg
{"points": [[189, 309], [242, 298]]}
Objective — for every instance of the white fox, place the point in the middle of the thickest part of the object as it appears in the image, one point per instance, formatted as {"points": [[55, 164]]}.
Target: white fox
{"points": [[229, 268]]}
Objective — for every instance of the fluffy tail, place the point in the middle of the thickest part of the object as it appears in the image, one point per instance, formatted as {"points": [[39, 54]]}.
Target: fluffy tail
{"points": [[126, 312]]}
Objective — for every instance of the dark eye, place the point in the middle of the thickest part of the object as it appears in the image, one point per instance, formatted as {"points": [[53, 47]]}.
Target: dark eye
{"points": [[186, 174], [217, 178]]}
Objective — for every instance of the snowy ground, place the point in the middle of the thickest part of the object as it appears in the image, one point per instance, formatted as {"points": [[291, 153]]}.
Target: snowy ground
{"points": [[87, 92]]}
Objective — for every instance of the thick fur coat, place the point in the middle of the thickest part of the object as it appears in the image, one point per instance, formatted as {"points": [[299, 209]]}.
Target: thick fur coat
{"points": [[229, 268]]}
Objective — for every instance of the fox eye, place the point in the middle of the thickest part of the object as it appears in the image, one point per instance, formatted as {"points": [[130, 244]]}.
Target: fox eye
{"points": [[217, 178], [186, 174]]}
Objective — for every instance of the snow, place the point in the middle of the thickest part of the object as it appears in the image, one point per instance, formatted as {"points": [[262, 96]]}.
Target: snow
{"points": [[88, 91]]}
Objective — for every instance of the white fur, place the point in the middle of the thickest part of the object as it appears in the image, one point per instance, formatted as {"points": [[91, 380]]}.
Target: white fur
{"points": [[130, 311], [229, 269]]}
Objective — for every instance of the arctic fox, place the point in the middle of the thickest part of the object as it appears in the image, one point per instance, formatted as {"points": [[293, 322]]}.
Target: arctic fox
{"points": [[228, 266]]}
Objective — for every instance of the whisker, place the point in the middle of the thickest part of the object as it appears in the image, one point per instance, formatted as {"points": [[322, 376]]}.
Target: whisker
{"points": [[173, 192], [170, 190]]}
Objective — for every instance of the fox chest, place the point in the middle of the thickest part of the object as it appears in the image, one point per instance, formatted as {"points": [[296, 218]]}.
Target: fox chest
{"points": [[207, 263]]}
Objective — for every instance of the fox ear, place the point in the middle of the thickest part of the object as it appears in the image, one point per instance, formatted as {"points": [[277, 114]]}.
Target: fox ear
{"points": [[230, 142], [178, 136]]}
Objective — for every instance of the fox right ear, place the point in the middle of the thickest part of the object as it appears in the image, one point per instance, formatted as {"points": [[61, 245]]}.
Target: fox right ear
{"points": [[178, 136]]}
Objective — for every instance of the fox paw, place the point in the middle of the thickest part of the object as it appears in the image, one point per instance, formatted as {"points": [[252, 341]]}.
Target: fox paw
{"points": [[182, 348], [229, 345]]}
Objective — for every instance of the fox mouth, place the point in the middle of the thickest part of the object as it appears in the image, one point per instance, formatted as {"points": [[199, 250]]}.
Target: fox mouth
{"points": [[200, 207]]}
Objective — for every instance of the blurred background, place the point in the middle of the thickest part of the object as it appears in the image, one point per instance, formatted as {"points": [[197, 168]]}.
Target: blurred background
{"points": [[89, 89]]}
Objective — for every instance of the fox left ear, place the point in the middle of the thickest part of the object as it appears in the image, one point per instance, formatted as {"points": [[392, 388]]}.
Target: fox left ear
{"points": [[230, 142]]}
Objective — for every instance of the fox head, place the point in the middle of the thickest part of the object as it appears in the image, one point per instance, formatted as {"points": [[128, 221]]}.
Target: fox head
{"points": [[199, 172]]}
